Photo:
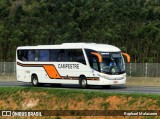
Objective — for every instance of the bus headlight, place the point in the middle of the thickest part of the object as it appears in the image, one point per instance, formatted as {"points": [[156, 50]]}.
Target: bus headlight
{"points": [[120, 77], [103, 76]]}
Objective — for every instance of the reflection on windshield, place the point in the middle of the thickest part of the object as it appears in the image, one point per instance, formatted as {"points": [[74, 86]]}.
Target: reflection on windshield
{"points": [[113, 63]]}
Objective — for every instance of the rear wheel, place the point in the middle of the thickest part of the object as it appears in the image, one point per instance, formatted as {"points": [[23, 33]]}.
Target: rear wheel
{"points": [[83, 82], [35, 82]]}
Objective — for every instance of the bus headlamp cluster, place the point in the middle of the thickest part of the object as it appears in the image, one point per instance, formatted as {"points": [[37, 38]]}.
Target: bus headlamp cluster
{"points": [[111, 78], [103, 76]]}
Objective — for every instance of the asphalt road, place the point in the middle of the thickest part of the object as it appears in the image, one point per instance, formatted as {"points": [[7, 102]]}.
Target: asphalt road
{"points": [[116, 89]]}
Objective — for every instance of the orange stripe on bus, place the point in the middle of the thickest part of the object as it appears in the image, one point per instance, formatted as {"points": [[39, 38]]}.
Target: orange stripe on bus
{"points": [[51, 71]]}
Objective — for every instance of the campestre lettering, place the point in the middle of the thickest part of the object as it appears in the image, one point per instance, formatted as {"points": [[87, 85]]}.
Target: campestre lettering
{"points": [[68, 66]]}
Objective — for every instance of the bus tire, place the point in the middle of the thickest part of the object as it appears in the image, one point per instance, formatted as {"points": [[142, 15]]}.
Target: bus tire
{"points": [[34, 81], [83, 82]]}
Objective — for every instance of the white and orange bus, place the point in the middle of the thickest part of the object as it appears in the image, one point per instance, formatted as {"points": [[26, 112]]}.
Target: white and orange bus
{"points": [[71, 63]]}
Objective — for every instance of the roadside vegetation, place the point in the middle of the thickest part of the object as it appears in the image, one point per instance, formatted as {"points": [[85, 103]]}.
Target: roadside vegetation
{"points": [[29, 98], [132, 25], [72, 100]]}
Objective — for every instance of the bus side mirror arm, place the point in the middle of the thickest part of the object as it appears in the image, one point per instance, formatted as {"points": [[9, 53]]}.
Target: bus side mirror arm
{"points": [[127, 56], [98, 55]]}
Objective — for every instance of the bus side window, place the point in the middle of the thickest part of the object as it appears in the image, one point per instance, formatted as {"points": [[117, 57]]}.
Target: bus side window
{"points": [[80, 56], [53, 55], [71, 55], [93, 61], [95, 64], [23, 55], [19, 54], [61, 55], [43, 55], [76, 55], [67, 55], [36, 55], [31, 55]]}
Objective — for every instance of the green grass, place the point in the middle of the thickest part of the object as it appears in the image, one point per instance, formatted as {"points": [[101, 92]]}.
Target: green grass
{"points": [[132, 102], [158, 103], [61, 96], [68, 93], [105, 105]]}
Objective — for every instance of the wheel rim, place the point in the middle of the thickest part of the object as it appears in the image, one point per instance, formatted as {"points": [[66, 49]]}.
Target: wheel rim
{"points": [[35, 81], [84, 82]]}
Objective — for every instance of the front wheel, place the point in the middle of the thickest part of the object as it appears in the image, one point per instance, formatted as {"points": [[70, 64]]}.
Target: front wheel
{"points": [[83, 82], [35, 82]]}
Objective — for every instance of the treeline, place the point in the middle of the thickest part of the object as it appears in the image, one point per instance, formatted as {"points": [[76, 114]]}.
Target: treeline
{"points": [[132, 25]]}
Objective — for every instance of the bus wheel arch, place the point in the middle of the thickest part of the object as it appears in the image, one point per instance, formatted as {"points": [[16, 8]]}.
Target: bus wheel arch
{"points": [[83, 81], [34, 80]]}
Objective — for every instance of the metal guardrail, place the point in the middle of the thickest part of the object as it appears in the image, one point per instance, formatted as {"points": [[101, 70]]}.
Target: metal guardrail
{"points": [[133, 69], [7, 68], [143, 69]]}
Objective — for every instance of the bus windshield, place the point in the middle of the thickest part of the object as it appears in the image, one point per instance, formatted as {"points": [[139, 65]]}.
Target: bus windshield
{"points": [[112, 63]]}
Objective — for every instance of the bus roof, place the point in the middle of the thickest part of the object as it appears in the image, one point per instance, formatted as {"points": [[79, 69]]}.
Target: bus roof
{"points": [[93, 46]]}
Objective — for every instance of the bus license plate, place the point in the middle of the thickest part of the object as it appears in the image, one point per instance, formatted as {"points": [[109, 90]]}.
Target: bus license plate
{"points": [[115, 81]]}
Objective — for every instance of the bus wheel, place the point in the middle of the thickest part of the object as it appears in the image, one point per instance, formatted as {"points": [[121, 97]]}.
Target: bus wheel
{"points": [[35, 81], [83, 82]]}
